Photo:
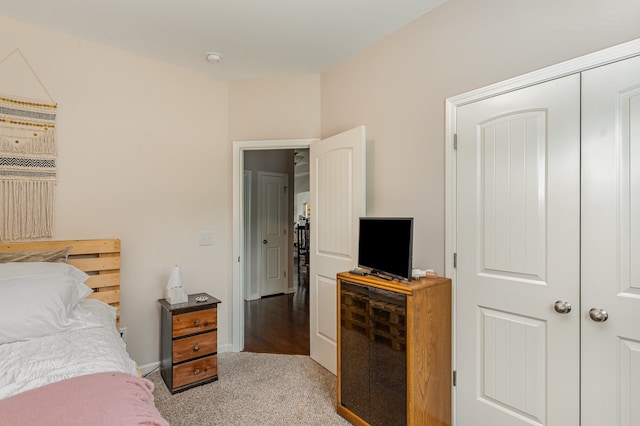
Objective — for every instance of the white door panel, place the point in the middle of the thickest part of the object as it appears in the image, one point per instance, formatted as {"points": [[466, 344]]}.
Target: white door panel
{"points": [[518, 253], [273, 225], [611, 244], [337, 194]]}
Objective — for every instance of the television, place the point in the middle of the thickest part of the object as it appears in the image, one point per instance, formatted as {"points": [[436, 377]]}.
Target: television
{"points": [[385, 246]]}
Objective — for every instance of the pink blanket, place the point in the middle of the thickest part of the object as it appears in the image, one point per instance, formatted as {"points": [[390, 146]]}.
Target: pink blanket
{"points": [[105, 399]]}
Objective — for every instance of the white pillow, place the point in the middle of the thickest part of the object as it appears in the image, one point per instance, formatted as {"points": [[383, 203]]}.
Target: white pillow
{"points": [[37, 299], [46, 270], [95, 313]]}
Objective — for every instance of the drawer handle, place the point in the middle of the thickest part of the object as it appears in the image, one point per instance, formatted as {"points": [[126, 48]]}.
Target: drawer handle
{"points": [[196, 371], [196, 323], [196, 348]]}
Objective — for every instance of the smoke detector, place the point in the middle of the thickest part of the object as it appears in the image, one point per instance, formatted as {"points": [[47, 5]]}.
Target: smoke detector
{"points": [[214, 57]]}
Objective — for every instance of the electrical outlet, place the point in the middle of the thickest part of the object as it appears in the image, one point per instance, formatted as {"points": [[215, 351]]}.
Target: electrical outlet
{"points": [[206, 238], [123, 333]]}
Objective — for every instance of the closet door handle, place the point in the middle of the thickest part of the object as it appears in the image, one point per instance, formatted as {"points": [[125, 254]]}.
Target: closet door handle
{"points": [[562, 307], [598, 314]]}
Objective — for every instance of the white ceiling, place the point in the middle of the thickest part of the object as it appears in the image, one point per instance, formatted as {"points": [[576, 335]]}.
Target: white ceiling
{"points": [[257, 38]]}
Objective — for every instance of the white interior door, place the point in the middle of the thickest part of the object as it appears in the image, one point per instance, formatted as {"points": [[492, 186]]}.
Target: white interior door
{"points": [[611, 244], [337, 194], [518, 209], [272, 216]]}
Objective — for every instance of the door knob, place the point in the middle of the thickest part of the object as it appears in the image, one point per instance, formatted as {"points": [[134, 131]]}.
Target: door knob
{"points": [[264, 241], [598, 314], [562, 307]]}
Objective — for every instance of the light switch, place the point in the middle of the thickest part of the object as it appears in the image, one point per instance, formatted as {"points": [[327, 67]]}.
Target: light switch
{"points": [[206, 238]]}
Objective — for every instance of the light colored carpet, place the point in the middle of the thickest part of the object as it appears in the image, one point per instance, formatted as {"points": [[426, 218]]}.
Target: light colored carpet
{"points": [[255, 389]]}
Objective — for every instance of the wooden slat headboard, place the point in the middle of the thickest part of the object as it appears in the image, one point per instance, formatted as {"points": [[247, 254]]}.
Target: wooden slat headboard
{"points": [[98, 258]]}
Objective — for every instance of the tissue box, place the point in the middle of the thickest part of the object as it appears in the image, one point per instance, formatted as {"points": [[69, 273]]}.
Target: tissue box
{"points": [[176, 295]]}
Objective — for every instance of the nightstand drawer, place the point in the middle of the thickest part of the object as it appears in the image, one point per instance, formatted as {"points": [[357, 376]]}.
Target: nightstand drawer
{"points": [[194, 371], [194, 322], [195, 346]]}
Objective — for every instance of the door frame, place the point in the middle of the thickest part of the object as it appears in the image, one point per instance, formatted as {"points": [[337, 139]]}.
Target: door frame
{"points": [[573, 66], [238, 261], [246, 226]]}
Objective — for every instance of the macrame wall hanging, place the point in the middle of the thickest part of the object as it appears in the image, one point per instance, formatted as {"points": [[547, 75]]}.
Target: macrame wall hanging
{"points": [[27, 162]]}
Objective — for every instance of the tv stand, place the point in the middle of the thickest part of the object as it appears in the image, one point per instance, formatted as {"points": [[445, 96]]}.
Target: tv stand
{"points": [[394, 351]]}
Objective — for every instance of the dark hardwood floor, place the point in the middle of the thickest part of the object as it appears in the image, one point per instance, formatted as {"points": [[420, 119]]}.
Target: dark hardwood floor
{"points": [[279, 324]]}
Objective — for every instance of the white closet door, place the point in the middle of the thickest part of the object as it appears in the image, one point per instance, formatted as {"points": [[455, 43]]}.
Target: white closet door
{"points": [[518, 177], [611, 244]]}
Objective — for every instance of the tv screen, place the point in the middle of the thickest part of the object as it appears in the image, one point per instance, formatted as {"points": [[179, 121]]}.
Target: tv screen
{"points": [[385, 245]]}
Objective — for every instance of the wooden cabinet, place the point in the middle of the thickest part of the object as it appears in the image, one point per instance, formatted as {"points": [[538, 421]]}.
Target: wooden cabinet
{"points": [[394, 351], [189, 342]]}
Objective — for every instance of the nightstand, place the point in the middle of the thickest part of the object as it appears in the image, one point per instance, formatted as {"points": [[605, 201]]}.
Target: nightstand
{"points": [[189, 342]]}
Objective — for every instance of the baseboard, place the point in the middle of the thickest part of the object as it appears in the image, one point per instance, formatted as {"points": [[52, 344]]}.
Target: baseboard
{"points": [[225, 348], [148, 368]]}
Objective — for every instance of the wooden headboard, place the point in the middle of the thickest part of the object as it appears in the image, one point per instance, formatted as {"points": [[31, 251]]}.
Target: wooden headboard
{"points": [[98, 258]]}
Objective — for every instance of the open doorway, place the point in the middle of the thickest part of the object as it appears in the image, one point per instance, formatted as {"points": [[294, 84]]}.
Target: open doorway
{"points": [[277, 322], [302, 217], [276, 306]]}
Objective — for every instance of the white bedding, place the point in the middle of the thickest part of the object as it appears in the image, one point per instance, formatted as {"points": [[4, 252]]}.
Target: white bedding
{"points": [[30, 364]]}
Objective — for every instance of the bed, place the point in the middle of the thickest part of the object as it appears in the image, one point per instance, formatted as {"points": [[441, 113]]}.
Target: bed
{"points": [[62, 361]]}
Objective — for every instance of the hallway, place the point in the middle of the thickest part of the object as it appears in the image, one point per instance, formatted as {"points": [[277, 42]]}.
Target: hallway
{"points": [[279, 324]]}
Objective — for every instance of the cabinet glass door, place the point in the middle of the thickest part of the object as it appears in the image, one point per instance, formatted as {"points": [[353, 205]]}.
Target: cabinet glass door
{"points": [[373, 354]]}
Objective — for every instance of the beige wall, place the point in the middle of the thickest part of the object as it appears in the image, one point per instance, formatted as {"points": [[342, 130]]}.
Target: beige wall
{"points": [[274, 108], [143, 155], [398, 87]]}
